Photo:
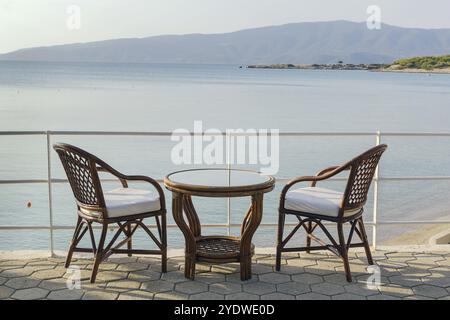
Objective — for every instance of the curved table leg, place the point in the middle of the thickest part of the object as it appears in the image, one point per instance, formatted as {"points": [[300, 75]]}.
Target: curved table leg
{"points": [[190, 231], [250, 224]]}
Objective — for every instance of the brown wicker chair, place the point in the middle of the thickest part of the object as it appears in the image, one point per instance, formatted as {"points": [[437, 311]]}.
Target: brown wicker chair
{"points": [[313, 205], [124, 207]]}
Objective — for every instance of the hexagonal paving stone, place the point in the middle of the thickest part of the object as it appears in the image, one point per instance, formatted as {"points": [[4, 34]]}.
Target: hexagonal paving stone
{"points": [[53, 284], [191, 287], [392, 264], [293, 288], [361, 289], [100, 295], [209, 277], [3, 280], [318, 271], [329, 265], [405, 281], [144, 275], [241, 296], [30, 294], [444, 263], [328, 289], [84, 274], [106, 276], [152, 260], [367, 278], [355, 269], [438, 279], [336, 278], [261, 269], [225, 288], [22, 283], [12, 264], [171, 266], [66, 294], [157, 286], [226, 268], [259, 288], [275, 278], [123, 285], [57, 259], [15, 273], [307, 278], [428, 258], [270, 261], [277, 296], [42, 264], [170, 295], [312, 296], [134, 266], [201, 267], [348, 296], [401, 257], [5, 292], [136, 295], [206, 296], [300, 262], [430, 291], [175, 276], [395, 290], [122, 259], [107, 266], [49, 274], [236, 278], [290, 270]]}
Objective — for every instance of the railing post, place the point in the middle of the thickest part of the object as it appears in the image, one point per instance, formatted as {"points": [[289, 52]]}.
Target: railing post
{"points": [[228, 155], [50, 201], [375, 197]]}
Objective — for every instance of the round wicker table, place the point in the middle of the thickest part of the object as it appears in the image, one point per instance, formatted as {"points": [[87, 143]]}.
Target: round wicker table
{"points": [[223, 183]]}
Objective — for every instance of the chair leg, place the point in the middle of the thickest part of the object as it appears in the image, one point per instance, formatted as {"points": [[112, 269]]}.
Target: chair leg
{"points": [[281, 219], [130, 241], [73, 244], [164, 243], [99, 253], [344, 252], [308, 239], [362, 230]]}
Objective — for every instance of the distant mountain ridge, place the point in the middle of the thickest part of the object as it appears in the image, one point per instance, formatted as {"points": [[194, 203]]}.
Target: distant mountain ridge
{"points": [[306, 42]]}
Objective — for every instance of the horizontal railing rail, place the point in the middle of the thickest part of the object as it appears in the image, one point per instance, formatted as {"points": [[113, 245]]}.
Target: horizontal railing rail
{"points": [[377, 179]]}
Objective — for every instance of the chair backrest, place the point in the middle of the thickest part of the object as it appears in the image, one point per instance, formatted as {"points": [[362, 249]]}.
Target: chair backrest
{"points": [[81, 170], [362, 169]]}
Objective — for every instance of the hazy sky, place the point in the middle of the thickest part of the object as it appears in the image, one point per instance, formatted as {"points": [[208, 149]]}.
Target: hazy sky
{"points": [[29, 23]]}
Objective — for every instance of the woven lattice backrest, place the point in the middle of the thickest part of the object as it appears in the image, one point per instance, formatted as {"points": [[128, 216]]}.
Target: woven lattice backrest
{"points": [[362, 170], [81, 171]]}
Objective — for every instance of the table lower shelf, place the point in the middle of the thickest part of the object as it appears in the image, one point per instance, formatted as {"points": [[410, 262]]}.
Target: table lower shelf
{"points": [[220, 249]]}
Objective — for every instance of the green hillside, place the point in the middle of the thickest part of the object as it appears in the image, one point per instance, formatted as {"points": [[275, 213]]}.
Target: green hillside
{"points": [[427, 63]]}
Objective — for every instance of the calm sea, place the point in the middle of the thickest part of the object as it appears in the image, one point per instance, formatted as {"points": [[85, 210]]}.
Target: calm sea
{"points": [[164, 97]]}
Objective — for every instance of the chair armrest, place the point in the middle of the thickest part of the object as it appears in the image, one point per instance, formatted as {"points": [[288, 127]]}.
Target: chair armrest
{"points": [[321, 175], [103, 167], [322, 172], [122, 181]]}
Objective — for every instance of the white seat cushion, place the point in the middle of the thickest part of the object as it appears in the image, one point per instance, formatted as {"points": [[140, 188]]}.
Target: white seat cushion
{"points": [[315, 200], [126, 202]]}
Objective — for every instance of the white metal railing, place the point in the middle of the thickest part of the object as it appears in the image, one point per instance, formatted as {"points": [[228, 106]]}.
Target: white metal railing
{"points": [[377, 179]]}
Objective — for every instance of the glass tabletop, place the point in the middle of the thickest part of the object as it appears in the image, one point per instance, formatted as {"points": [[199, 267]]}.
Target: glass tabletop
{"points": [[218, 178]]}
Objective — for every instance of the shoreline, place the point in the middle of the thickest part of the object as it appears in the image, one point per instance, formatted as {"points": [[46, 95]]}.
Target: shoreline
{"points": [[434, 71], [348, 66]]}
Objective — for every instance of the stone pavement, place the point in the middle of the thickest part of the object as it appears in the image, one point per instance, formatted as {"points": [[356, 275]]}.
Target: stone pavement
{"points": [[413, 275]]}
